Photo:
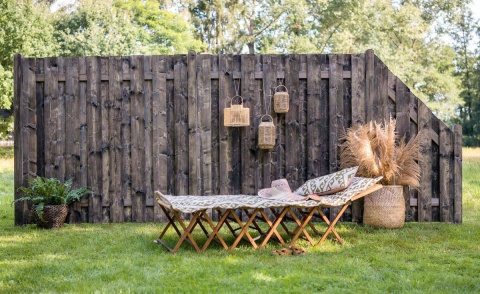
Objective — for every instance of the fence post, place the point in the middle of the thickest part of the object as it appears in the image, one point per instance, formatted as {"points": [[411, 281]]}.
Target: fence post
{"points": [[457, 152], [18, 170]]}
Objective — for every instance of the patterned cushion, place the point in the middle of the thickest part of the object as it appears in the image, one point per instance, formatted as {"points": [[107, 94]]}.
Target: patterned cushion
{"points": [[328, 184], [357, 186]]}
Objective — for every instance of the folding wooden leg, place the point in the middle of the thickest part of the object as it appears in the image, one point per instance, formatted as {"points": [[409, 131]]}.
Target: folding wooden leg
{"points": [[331, 225], [244, 229], [301, 227], [215, 230], [273, 227]]}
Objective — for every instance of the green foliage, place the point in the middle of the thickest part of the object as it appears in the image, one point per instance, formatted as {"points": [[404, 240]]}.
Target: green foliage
{"points": [[160, 31], [50, 191], [6, 152]]}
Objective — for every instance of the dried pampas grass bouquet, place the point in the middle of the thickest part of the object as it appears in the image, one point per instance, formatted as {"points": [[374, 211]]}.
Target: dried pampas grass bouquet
{"points": [[375, 148]]}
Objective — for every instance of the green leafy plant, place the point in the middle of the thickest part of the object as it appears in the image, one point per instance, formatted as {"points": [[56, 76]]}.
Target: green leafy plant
{"points": [[50, 191]]}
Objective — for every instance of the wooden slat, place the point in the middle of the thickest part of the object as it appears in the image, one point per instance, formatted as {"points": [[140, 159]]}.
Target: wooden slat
{"points": [[82, 69], [60, 143], [138, 138], [40, 121], [425, 191], [358, 89], [446, 173], [314, 117], [19, 208], [277, 154], [380, 98], [126, 142], [147, 110], [50, 106], [204, 110], [194, 168], [94, 138], [115, 125], [457, 172], [160, 152], [336, 114], [268, 106], [215, 127], [237, 139], [249, 152], [181, 126], [105, 107], [403, 109], [293, 134], [72, 131], [225, 91], [370, 92]]}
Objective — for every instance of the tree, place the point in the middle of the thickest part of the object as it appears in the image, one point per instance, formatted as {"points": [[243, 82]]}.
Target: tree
{"points": [[97, 28], [161, 32]]}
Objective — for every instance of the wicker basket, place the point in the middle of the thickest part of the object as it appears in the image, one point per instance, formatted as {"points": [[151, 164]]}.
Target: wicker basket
{"points": [[281, 100], [266, 133], [385, 208], [236, 115], [53, 216]]}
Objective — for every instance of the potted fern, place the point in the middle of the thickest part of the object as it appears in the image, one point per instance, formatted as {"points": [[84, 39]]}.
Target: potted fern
{"points": [[50, 199], [376, 149]]}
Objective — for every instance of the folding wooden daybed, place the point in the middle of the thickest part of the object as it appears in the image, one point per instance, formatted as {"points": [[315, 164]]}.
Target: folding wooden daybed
{"points": [[229, 208]]}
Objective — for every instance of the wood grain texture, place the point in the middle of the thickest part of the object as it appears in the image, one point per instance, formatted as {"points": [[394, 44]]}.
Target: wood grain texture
{"points": [[446, 173], [370, 93], [181, 147], [194, 140], [425, 191], [19, 208], [457, 171]]}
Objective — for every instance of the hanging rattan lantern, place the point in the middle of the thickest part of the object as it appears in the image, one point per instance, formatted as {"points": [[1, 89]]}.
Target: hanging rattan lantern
{"points": [[266, 133], [236, 115], [281, 100]]}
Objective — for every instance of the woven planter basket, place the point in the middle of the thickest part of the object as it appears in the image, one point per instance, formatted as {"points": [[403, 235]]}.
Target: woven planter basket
{"points": [[385, 208], [236, 115], [53, 216], [266, 133], [281, 100]]}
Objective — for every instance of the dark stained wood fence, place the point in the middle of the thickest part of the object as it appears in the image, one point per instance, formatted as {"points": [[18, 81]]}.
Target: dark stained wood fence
{"points": [[127, 126]]}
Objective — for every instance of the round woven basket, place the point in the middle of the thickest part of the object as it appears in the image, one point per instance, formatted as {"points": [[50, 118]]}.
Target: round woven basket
{"points": [[385, 208], [53, 216]]}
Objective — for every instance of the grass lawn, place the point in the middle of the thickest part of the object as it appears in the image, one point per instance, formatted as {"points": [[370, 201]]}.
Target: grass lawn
{"points": [[113, 258]]}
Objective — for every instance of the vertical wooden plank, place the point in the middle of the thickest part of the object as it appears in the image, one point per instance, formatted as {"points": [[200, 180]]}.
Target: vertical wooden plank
{"points": [[181, 126], [170, 93], [19, 207], [249, 148], [277, 154], [402, 109], [293, 137], [105, 107], [215, 126], [425, 191], [138, 138], [446, 145], [40, 120], [126, 143], [147, 107], [370, 85], [457, 172], [114, 140], [160, 152], [412, 211], [82, 70], [358, 113], [225, 84], [267, 102], [380, 97], [72, 131], [94, 135], [391, 109], [50, 110], [314, 118], [358, 89], [205, 118], [336, 111], [257, 112], [194, 169], [236, 136], [60, 143]]}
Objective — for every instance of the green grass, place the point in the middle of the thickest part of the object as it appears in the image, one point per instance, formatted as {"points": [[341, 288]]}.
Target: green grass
{"points": [[113, 258]]}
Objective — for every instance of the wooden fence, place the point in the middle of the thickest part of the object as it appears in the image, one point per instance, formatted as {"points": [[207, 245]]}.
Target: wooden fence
{"points": [[126, 126]]}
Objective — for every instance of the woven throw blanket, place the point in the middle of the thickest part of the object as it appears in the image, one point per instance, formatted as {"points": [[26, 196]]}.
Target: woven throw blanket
{"points": [[189, 204]]}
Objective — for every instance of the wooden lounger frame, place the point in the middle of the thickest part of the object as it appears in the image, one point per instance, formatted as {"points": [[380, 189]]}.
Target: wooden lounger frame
{"points": [[231, 219]]}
